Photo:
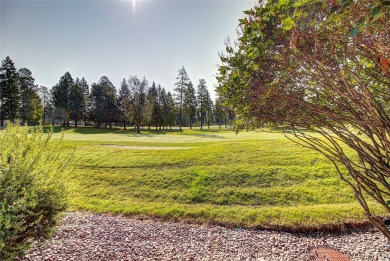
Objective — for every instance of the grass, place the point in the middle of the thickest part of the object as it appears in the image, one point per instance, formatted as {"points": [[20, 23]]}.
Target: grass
{"points": [[255, 179]]}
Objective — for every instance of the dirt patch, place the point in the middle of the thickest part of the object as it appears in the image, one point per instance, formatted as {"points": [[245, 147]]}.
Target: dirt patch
{"points": [[145, 147]]}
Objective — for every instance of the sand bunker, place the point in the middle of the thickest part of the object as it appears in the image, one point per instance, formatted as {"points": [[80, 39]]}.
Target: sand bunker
{"points": [[145, 147]]}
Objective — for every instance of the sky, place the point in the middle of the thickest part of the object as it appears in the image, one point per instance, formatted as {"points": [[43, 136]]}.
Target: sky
{"points": [[118, 38]]}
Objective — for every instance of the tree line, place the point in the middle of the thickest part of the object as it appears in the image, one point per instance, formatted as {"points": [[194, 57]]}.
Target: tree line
{"points": [[135, 103]]}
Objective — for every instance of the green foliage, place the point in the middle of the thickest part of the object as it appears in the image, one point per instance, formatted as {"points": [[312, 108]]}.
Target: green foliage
{"points": [[60, 95], [33, 173], [288, 23], [319, 66], [103, 102], [9, 91], [30, 103]]}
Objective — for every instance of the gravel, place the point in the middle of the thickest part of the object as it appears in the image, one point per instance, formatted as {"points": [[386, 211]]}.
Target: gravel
{"points": [[84, 236]]}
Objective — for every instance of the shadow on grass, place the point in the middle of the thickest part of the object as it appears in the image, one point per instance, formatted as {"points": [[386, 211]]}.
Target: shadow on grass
{"points": [[210, 136]]}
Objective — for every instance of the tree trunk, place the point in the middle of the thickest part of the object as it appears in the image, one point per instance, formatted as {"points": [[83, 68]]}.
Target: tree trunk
{"points": [[124, 124], [2, 113], [180, 119]]}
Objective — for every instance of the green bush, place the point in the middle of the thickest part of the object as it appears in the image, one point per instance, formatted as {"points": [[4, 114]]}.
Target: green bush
{"points": [[33, 171]]}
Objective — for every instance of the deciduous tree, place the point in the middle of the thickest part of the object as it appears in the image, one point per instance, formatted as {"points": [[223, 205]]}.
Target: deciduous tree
{"points": [[321, 66]]}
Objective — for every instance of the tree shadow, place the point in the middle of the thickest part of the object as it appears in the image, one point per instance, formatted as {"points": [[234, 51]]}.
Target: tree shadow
{"points": [[213, 136]]}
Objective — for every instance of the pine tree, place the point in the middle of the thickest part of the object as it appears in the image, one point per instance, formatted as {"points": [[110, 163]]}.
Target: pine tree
{"points": [[9, 91], [153, 106], [190, 103], [181, 85], [160, 103], [219, 111], [30, 103], [209, 109], [46, 98], [163, 101], [60, 96], [171, 110], [76, 101], [103, 102], [86, 102], [202, 101], [138, 91], [97, 104], [111, 108], [124, 103]]}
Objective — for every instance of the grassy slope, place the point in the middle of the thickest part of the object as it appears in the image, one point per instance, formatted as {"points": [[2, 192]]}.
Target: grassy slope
{"points": [[251, 179]]}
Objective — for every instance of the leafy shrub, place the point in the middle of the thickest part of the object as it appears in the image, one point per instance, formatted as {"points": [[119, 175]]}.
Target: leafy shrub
{"points": [[32, 187]]}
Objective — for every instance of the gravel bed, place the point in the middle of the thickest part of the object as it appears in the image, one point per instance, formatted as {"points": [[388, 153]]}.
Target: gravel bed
{"points": [[84, 236]]}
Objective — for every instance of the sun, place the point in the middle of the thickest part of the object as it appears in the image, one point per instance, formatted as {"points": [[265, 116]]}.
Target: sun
{"points": [[134, 3]]}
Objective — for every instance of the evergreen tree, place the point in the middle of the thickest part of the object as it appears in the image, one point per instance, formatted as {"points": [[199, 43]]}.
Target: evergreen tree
{"points": [[219, 111], [209, 109], [30, 103], [46, 102], [76, 101], [171, 110], [86, 102], [202, 101], [190, 103], [111, 108], [60, 95], [9, 91], [138, 91], [124, 103], [160, 103], [103, 102], [97, 103], [181, 85], [153, 106], [163, 101]]}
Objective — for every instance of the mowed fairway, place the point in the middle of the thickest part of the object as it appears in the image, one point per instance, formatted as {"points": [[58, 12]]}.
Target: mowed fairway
{"points": [[255, 179]]}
